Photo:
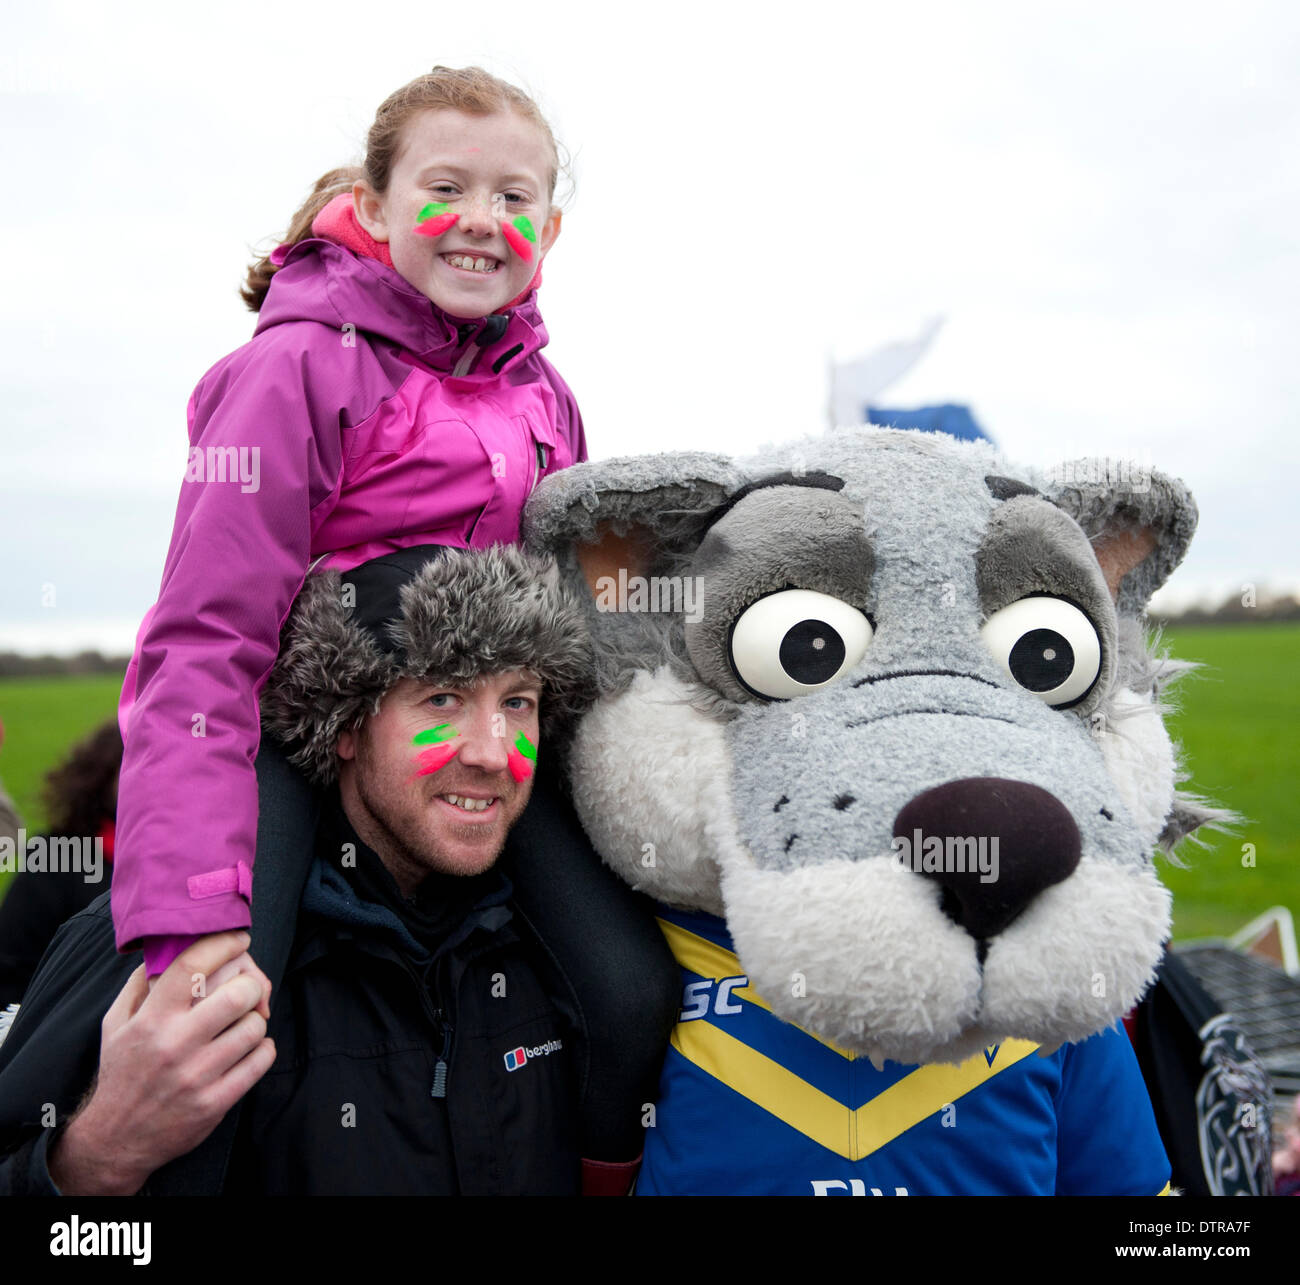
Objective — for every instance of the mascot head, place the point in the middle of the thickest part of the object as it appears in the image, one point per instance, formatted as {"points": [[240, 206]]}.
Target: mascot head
{"points": [[884, 702]]}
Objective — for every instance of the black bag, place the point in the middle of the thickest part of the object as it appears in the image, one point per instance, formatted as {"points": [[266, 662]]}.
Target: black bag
{"points": [[1211, 1094]]}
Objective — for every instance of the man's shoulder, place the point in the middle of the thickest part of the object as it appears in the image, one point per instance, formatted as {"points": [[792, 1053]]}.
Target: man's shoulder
{"points": [[51, 1051], [79, 967]]}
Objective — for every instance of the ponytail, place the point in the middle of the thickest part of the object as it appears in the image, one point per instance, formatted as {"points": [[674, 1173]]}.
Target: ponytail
{"points": [[328, 186]]}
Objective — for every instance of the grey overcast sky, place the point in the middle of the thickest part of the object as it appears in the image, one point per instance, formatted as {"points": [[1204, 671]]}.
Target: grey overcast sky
{"points": [[1101, 200]]}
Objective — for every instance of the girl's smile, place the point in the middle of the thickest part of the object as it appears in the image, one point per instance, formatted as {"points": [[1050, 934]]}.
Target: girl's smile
{"points": [[480, 264]]}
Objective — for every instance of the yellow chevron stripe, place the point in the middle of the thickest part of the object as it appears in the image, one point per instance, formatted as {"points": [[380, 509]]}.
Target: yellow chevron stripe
{"points": [[708, 959], [1167, 1189], [927, 1090], [766, 1083], [851, 1134]]}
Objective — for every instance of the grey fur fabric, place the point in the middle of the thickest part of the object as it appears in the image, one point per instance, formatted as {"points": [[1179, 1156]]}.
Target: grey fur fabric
{"points": [[1134, 498], [466, 614], [773, 804]]}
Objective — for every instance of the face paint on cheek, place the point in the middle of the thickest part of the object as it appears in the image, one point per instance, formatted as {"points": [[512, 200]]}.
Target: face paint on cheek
{"points": [[522, 757], [434, 219], [436, 735], [439, 753], [434, 759], [521, 237]]}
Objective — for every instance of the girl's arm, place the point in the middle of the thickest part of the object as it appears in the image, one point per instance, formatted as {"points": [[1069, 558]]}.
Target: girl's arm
{"points": [[262, 462]]}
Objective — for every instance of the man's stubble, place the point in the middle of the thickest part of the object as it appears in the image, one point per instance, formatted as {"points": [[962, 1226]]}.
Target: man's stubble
{"points": [[401, 822]]}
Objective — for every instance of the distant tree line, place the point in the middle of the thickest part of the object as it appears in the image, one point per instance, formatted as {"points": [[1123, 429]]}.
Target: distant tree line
{"points": [[1237, 609], [14, 665]]}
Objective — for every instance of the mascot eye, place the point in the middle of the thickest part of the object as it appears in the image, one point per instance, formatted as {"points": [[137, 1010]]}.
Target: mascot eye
{"points": [[796, 641], [1047, 646]]}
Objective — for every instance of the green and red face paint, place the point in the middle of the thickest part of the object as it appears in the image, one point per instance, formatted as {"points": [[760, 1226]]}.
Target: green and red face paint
{"points": [[522, 757], [520, 236], [439, 752], [437, 217], [434, 219]]}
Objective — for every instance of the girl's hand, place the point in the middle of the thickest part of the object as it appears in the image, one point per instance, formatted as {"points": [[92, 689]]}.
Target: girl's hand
{"points": [[201, 987]]}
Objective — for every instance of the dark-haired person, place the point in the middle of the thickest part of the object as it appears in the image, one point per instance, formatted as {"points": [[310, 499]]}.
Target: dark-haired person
{"points": [[81, 804]]}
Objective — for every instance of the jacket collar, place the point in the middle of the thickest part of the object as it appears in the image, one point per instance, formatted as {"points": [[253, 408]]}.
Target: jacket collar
{"points": [[364, 897], [321, 280]]}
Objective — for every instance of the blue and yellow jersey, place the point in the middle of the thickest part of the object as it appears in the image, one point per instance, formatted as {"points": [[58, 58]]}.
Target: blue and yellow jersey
{"points": [[750, 1105]]}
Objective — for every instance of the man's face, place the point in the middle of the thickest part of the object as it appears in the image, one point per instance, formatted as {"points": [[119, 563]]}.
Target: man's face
{"points": [[489, 171], [435, 780]]}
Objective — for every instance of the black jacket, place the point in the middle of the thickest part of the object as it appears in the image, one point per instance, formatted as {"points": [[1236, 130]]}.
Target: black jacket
{"points": [[50, 1056], [32, 908], [398, 1031]]}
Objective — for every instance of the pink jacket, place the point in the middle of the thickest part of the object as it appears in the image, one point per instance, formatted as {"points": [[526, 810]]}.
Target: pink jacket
{"points": [[359, 418]]}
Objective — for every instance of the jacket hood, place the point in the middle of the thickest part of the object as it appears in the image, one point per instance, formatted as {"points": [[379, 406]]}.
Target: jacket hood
{"points": [[323, 281], [329, 895]]}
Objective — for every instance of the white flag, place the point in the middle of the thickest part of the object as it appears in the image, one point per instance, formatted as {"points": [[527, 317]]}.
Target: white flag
{"points": [[857, 384]]}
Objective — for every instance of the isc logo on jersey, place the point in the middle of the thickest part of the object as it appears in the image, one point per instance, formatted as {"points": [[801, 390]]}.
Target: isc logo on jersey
{"points": [[519, 1057], [699, 999]]}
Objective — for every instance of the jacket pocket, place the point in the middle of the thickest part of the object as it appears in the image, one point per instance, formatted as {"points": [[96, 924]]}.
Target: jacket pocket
{"points": [[540, 440]]}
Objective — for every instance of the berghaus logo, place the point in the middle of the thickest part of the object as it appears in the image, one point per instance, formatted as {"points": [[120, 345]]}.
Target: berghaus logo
{"points": [[518, 1057]]}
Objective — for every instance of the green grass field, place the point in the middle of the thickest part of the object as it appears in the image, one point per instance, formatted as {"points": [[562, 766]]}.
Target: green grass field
{"points": [[44, 718], [1237, 724]]}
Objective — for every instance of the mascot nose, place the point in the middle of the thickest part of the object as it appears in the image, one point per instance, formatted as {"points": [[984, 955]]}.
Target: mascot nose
{"points": [[992, 844]]}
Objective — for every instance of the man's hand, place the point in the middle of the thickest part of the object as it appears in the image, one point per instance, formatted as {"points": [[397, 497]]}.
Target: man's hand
{"points": [[169, 1069]]}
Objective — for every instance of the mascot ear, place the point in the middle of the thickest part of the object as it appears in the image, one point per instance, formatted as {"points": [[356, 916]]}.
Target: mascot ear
{"points": [[626, 513], [1140, 523]]}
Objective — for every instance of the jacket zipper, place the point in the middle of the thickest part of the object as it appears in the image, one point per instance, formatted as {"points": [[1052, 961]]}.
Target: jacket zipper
{"points": [[439, 1089], [466, 334], [462, 367], [465, 362], [438, 1017], [488, 331]]}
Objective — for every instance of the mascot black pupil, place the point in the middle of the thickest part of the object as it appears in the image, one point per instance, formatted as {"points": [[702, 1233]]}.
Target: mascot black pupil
{"points": [[1041, 660], [812, 652]]}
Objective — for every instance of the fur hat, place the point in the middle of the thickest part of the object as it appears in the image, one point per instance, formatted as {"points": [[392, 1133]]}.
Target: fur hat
{"points": [[446, 615]]}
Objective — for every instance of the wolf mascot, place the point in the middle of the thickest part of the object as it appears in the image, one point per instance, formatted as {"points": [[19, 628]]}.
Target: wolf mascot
{"points": [[879, 727]]}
